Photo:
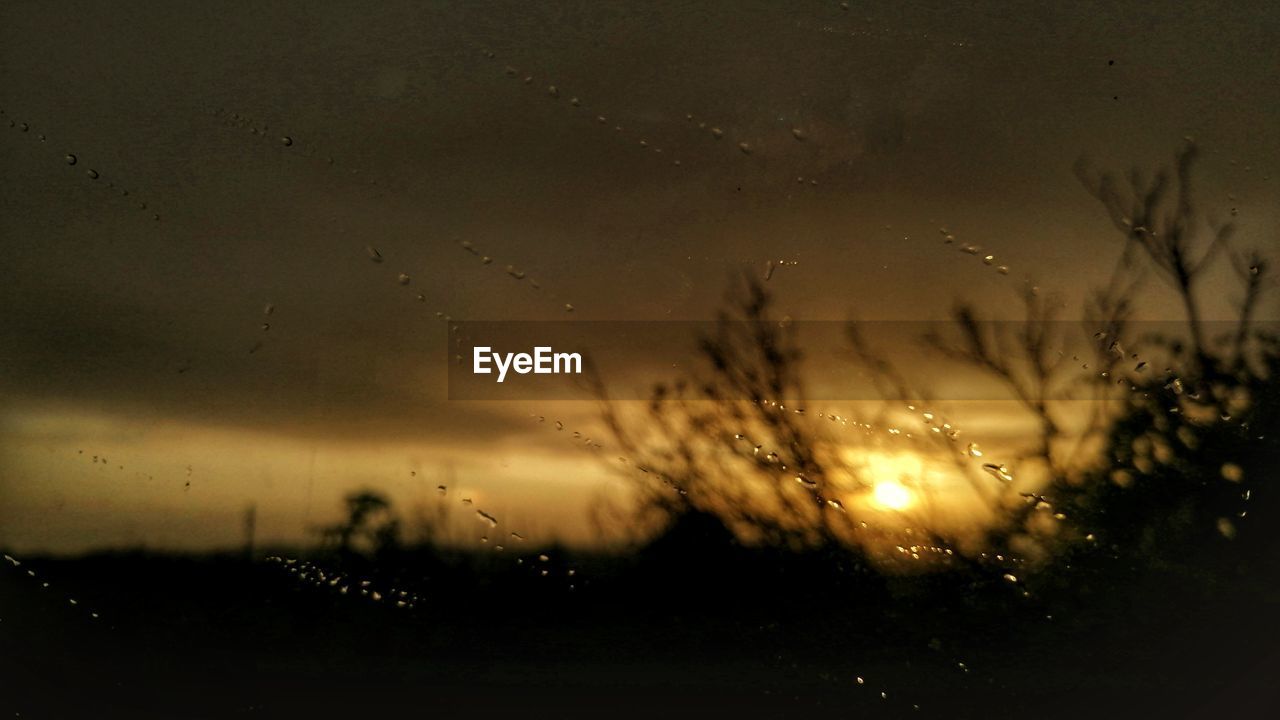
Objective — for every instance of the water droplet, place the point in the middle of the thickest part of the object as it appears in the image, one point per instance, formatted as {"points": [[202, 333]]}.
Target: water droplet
{"points": [[373, 253], [403, 279], [93, 174], [717, 133], [999, 471], [71, 159], [745, 148], [798, 134], [493, 522], [553, 91], [286, 141]]}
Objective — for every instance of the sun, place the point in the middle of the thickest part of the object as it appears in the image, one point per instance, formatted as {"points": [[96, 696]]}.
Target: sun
{"points": [[892, 495]]}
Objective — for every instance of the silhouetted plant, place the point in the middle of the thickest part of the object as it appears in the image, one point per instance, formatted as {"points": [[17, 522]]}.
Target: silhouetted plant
{"points": [[722, 442], [1134, 408], [1184, 453], [1158, 217]]}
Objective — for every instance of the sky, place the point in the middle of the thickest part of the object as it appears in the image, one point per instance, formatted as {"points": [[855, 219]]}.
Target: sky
{"points": [[629, 159]]}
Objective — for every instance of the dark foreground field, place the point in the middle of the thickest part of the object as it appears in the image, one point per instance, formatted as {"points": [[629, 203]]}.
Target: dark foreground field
{"points": [[748, 634]]}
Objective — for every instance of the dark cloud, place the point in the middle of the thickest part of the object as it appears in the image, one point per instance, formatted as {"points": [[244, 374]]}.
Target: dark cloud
{"points": [[405, 135]]}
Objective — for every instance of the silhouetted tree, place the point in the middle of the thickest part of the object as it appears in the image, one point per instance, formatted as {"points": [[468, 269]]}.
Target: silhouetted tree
{"points": [[370, 528]]}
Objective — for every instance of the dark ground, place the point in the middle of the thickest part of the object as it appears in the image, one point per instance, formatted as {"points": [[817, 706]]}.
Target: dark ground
{"points": [[752, 634]]}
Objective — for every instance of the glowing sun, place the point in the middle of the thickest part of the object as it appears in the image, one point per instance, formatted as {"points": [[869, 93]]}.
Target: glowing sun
{"points": [[892, 495]]}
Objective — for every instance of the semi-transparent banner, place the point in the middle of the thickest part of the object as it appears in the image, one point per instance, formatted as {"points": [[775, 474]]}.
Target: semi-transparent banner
{"points": [[824, 360]]}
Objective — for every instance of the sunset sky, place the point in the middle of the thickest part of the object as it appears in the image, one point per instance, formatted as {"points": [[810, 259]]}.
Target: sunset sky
{"points": [[234, 342]]}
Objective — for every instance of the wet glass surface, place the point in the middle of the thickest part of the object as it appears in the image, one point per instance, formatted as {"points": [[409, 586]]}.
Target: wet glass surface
{"points": [[666, 359]]}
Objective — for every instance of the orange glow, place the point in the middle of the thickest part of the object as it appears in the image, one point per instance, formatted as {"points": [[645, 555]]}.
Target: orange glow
{"points": [[892, 495]]}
